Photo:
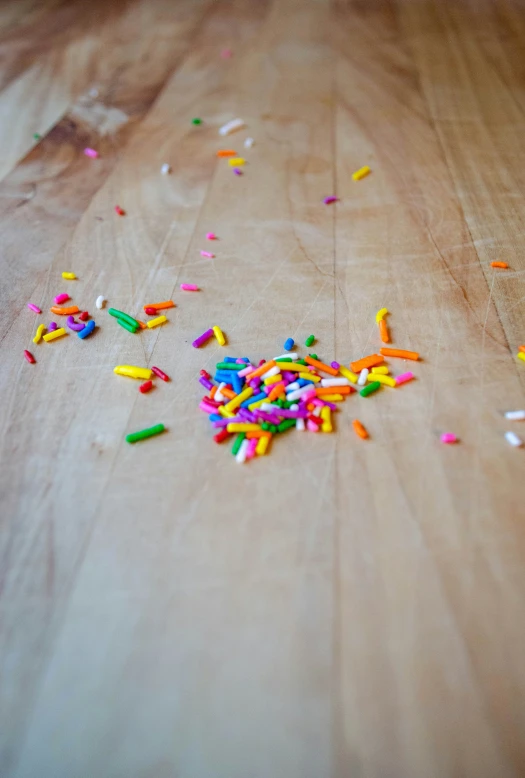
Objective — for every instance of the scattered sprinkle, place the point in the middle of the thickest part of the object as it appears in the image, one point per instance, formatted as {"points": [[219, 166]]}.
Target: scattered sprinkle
{"points": [[330, 199], [87, 330], [68, 276], [54, 334], [309, 340], [38, 335], [399, 352], [372, 387], [145, 387], [73, 325], [383, 331], [196, 120], [37, 136], [30, 358], [229, 127], [361, 173], [120, 211], [515, 415], [521, 355], [370, 361], [503, 265], [62, 298], [236, 161], [84, 316], [207, 254], [156, 322], [202, 339], [289, 344], [100, 301], [65, 311], [52, 326], [33, 307], [404, 377], [133, 371], [133, 437], [513, 439], [91, 153], [359, 429], [160, 373], [248, 143], [237, 171], [211, 236], [448, 437], [226, 153], [161, 306], [189, 287], [382, 312], [165, 169], [219, 336]]}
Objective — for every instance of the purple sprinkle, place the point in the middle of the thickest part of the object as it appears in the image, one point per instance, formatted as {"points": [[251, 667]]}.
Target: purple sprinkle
{"points": [[206, 384], [52, 327], [73, 325], [272, 418], [247, 415], [331, 199], [225, 422], [201, 340], [237, 171], [332, 406], [255, 382], [289, 376], [285, 413], [335, 365]]}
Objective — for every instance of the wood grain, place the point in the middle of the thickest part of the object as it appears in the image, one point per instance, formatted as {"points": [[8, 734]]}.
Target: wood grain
{"points": [[340, 608]]}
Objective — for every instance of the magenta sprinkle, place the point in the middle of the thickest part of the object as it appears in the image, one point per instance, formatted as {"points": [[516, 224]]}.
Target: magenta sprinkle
{"points": [[330, 199], [237, 171], [189, 287], [448, 437], [61, 298], [201, 340], [211, 236], [91, 153], [34, 308], [206, 384], [404, 377], [207, 254]]}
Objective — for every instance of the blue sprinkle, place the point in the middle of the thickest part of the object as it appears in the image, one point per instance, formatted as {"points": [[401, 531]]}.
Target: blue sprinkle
{"points": [[88, 329], [289, 344]]}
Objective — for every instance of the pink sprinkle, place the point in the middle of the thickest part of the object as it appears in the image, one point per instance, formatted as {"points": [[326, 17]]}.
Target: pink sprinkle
{"points": [[448, 437], [189, 287], [120, 211], [226, 53], [404, 377], [211, 236], [61, 298], [91, 153], [34, 308], [311, 426], [250, 453], [207, 254], [331, 199]]}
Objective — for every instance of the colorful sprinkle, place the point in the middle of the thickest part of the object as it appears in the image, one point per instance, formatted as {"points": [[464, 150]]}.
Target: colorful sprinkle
{"points": [[145, 387], [133, 437], [229, 127], [202, 339], [68, 276], [90, 153], [100, 301], [120, 211], [448, 437], [330, 199], [160, 373], [361, 173], [54, 334], [30, 358], [33, 307]]}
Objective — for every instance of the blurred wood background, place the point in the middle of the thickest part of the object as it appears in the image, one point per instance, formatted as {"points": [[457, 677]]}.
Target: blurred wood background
{"points": [[339, 608]]}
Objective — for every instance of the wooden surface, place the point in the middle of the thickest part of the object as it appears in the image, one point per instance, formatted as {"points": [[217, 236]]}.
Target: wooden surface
{"points": [[340, 608]]}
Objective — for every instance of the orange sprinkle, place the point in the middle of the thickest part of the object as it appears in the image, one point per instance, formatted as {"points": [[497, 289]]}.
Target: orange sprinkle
{"points": [[383, 331], [522, 348], [213, 391], [142, 325], [499, 264], [229, 393], [258, 434], [333, 390], [321, 366], [226, 153], [64, 311], [371, 361], [160, 306], [276, 392], [399, 352], [260, 370], [359, 429], [311, 407]]}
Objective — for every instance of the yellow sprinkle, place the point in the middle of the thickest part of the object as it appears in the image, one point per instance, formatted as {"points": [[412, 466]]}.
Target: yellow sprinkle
{"points": [[383, 370], [333, 398], [55, 334], [291, 367], [156, 322], [68, 277], [361, 173], [257, 404], [241, 397], [236, 161], [309, 377], [274, 379], [227, 414], [521, 355], [38, 335], [262, 445], [326, 416], [381, 314], [382, 379], [221, 340], [132, 371], [346, 373], [241, 427]]}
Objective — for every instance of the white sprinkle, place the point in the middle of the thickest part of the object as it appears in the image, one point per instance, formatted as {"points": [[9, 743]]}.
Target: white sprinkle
{"points": [[293, 386], [298, 392], [513, 439], [293, 357], [515, 415], [100, 301], [317, 410], [165, 169], [218, 395], [93, 92], [248, 143], [299, 424], [235, 124], [268, 407], [241, 454], [271, 372], [335, 382], [363, 376]]}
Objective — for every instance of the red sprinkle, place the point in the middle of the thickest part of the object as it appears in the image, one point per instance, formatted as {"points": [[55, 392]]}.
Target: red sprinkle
{"points": [[205, 373], [161, 374], [150, 310], [30, 358], [120, 211], [222, 435], [145, 387], [84, 316]]}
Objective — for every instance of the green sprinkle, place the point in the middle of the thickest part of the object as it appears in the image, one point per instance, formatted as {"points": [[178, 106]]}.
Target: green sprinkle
{"points": [[229, 366], [309, 340], [301, 362], [147, 433], [36, 136], [280, 402], [272, 428], [370, 388], [265, 426], [237, 442], [283, 359], [314, 356], [196, 121], [286, 404], [123, 316], [129, 327], [286, 424]]}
